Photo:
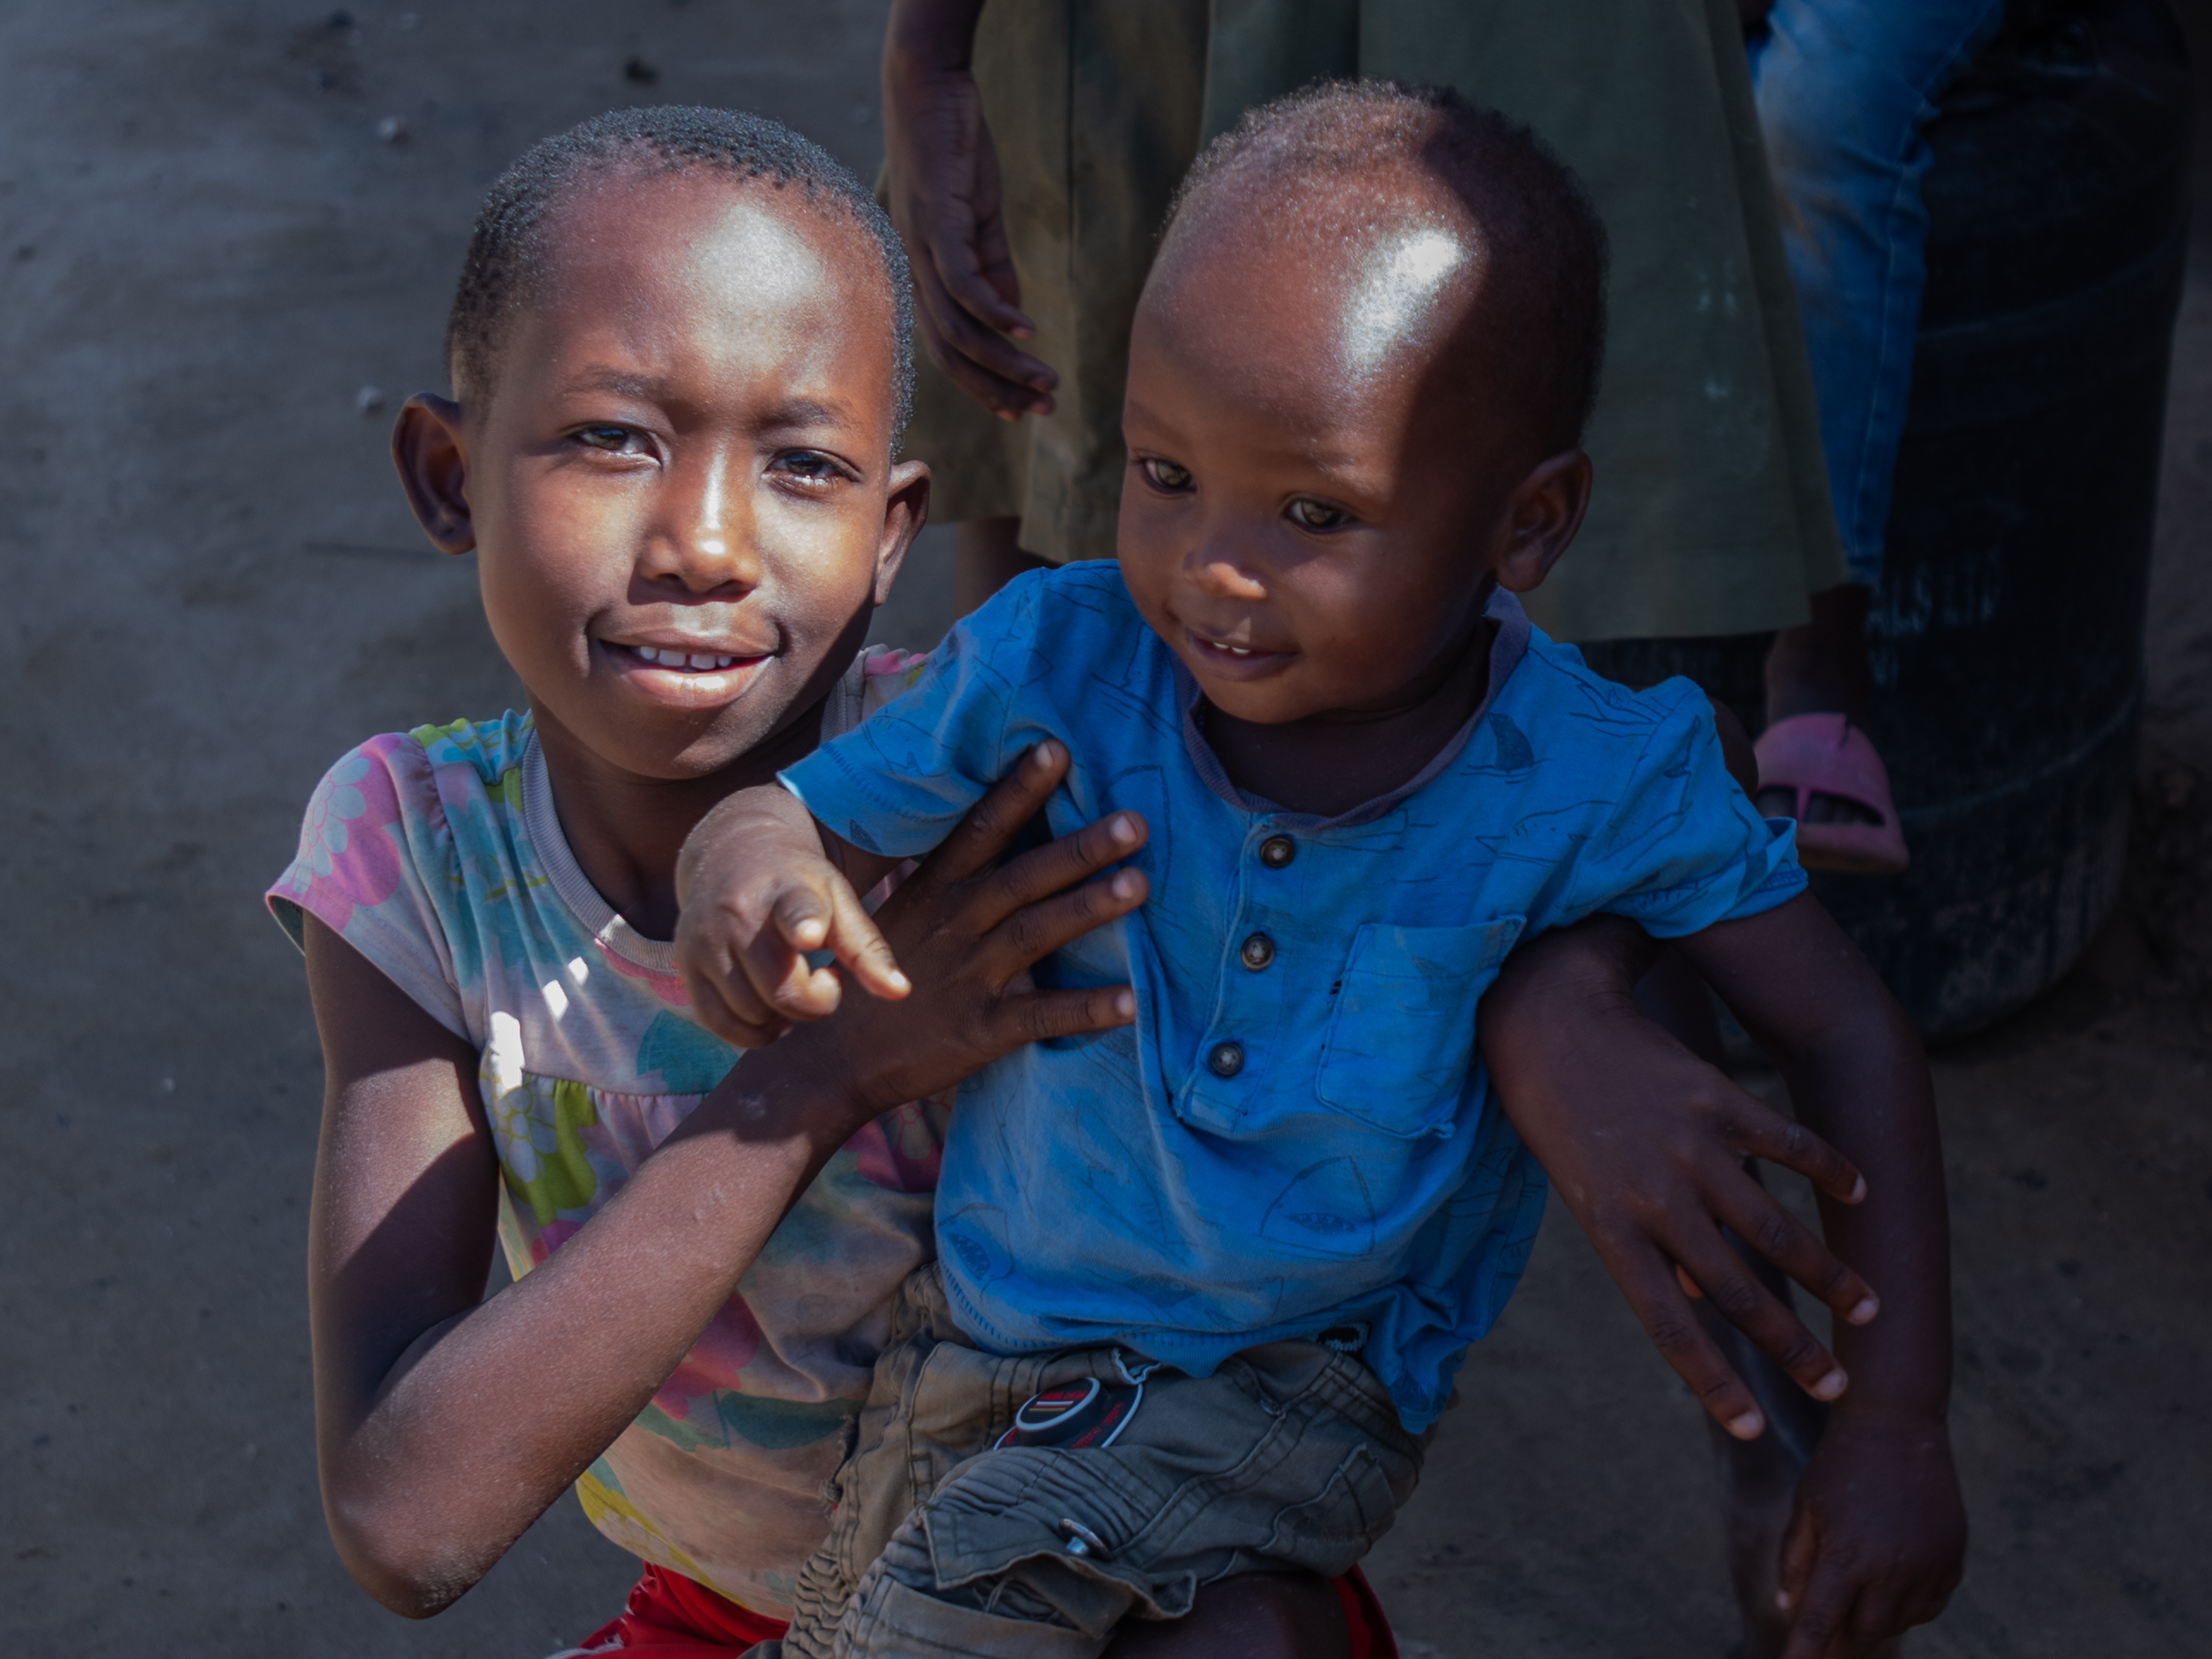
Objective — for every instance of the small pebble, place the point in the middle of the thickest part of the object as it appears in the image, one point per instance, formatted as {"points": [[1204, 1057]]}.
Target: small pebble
{"points": [[639, 71], [369, 399], [392, 131]]}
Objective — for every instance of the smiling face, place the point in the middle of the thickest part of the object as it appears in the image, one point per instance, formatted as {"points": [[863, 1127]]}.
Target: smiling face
{"points": [[1323, 477], [681, 486]]}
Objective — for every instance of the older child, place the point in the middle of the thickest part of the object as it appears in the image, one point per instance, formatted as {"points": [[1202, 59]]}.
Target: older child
{"points": [[1237, 1251], [678, 350]]}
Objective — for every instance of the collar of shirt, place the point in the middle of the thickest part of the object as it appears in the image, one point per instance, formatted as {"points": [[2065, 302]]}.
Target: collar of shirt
{"points": [[1506, 650]]}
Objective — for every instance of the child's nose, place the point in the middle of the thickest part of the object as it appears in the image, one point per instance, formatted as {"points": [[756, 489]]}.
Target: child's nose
{"points": [[705, 538], [1219, 568]]}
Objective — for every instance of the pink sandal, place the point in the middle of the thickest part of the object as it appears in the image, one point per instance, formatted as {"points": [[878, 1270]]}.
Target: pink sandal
{"points": [[1817, 756]]}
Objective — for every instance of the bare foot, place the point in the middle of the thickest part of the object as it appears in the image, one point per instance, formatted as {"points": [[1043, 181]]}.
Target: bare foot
{"points": [[1820, 667]]}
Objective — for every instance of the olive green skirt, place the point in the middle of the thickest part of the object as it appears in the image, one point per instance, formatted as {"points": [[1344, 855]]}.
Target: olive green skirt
{"points": [[1711, 514]]}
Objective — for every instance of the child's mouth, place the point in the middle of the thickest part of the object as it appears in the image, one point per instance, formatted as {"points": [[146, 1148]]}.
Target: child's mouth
{"points": [[685, 677], [1234, 661]]}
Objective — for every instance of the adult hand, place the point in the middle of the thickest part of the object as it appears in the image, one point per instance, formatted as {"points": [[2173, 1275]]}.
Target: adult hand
{"points": [[942, 171], [1645, 1145], [969, 930]]}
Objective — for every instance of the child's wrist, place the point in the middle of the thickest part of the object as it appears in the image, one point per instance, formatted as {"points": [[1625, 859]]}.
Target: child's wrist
{"points": [[928, 38], [1929, 1425], [801, 1086], [749, 828]]}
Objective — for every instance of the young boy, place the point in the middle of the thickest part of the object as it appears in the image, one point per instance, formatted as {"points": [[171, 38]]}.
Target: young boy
{"points": [[1235, 1252]]}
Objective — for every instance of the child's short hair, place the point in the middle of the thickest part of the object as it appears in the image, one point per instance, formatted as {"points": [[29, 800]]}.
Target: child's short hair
{"points": [[507, 254], [1544, 301]]}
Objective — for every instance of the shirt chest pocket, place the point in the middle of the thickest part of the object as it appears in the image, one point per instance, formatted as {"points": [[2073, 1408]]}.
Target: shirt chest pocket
{"points": [[1400, 1036]]}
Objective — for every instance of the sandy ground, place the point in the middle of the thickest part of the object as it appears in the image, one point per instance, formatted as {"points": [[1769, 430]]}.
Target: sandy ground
{"points": [[208, 258]]}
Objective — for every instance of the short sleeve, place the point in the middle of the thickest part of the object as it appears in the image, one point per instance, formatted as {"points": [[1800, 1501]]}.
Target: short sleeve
{"points": [[1684, 847], [898, 783], [372, 826]]}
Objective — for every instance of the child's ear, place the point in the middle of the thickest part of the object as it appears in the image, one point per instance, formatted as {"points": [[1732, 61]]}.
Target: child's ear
{"points": [[1546, 510], [906, 509], [429, 446]]}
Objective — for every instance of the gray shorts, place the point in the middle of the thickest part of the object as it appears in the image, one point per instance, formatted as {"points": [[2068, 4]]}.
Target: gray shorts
{"points": [[1289, 1457]]}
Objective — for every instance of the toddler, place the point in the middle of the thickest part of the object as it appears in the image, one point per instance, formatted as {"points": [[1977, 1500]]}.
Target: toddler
{"points": [[1203, 1281]]}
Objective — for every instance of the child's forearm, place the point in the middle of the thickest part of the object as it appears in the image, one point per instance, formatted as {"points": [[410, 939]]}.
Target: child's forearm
{"points": [[1857, 1078], [759, 825], [749, 824], [1645, 1144], [1873, 1100], [441, 1438], [611, 1315], [1878, 1527]]}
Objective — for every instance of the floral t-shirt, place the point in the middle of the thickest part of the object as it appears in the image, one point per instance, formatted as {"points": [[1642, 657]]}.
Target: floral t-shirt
{"points": [[437, 854]]}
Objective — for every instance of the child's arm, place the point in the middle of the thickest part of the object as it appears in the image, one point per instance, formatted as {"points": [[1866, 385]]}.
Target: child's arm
{"points": [[941, 184], [1645, 1144], [762, 885], [444, 1427], [1880, 1531]]}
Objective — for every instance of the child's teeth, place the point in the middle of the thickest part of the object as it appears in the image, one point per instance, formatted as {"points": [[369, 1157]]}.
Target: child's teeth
{"points": [[697, 660]]}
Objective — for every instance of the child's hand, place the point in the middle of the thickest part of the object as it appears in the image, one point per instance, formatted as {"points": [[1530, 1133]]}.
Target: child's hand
{"points": [[1878, 1539], [1645, 1144], [971, 928], [758, 895], [941, 176]]}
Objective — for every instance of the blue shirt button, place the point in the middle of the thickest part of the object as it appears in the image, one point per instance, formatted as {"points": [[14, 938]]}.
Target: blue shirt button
{"points": [[1277, 851], [1226, 1060], [1256, 953]]}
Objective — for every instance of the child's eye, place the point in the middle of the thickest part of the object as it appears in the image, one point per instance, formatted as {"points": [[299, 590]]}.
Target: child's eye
{"points": [[1167, 476], [808, 465], [613, 440], [1310, 514]]}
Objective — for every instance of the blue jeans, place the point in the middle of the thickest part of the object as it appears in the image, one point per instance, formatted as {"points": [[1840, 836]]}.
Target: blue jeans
{"points": [[1844, 88]]}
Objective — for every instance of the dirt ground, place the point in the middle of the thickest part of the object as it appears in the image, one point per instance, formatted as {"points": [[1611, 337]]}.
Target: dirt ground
{"points": [[217, 276]]}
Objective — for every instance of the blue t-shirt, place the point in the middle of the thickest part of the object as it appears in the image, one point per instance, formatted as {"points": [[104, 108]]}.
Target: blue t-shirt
{"points": [[1296, 1135]]}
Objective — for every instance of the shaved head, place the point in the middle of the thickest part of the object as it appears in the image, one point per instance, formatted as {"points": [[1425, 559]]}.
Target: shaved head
{"points": [[511, 257], [1446, 234]]}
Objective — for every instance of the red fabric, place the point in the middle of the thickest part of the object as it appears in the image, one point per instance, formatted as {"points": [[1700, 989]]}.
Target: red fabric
{"points": [[671, 1617], [1363, 1616]]}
